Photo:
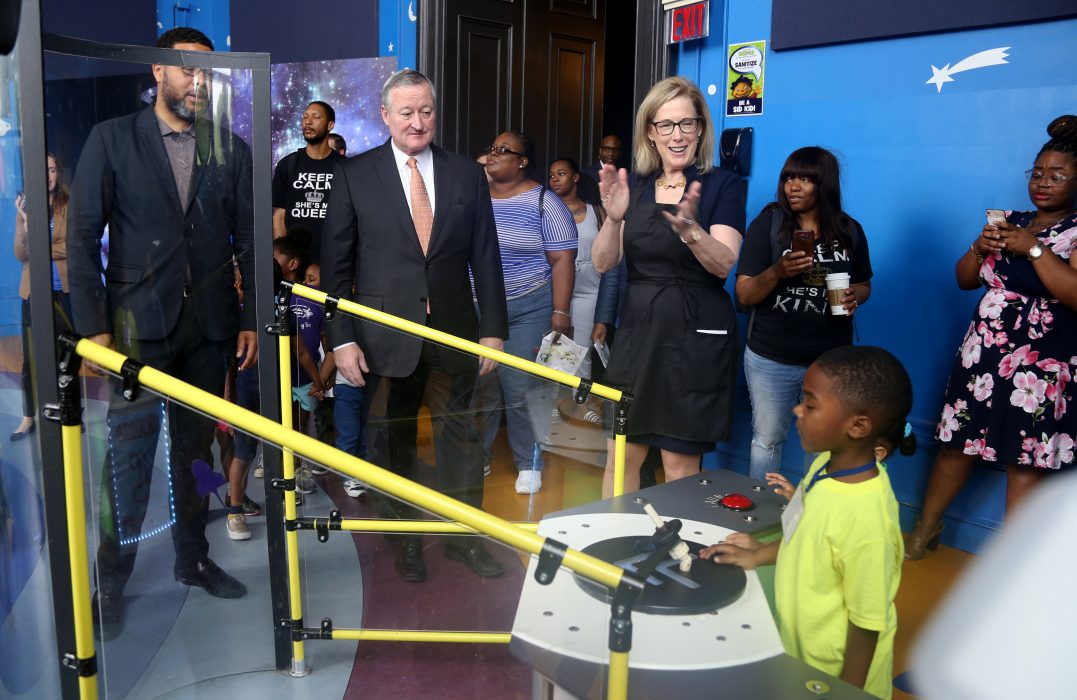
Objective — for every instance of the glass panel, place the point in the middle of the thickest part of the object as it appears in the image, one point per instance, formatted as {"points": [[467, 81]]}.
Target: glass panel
{"points": [[159, 239], [28, 663]]}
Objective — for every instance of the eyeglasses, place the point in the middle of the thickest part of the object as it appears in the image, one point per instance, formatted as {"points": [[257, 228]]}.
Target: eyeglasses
{"points": [[502, 150], [1052, 180], [688, 126]]}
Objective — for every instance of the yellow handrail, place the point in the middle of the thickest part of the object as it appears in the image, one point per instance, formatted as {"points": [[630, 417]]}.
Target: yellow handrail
{"points": [[426, 498], [452, 341], [461, 515]]}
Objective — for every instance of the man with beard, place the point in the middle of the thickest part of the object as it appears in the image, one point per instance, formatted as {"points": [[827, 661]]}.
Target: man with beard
{"points": [[175, 191], [302, 180], [609, 151]]}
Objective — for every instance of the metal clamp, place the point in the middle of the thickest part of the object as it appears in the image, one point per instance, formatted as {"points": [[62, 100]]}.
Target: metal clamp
{"points": [[296, 627], [83, 667], [620, 418], [283, 484], [129, 371], [322, 526], [549, 561], [326, 630], [624, 599], [583, 390], [330, 307]]}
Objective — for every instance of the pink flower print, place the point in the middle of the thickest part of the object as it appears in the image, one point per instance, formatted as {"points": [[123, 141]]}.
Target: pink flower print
{"points": [[992, 303], [1029, 392], [1055, 393], [1028, 444], [1001, 338], [1034, 315], [970, 350], [1059, 450], [1023, 355], [979, 447], [981, 386], [1041, 455], [987, 274], [948, 424], [960, 405], [1048, 318], [1024, 458]]}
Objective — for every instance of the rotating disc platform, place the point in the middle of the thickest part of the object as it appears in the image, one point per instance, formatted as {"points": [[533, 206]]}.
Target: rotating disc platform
{"points": [[720, 643]]}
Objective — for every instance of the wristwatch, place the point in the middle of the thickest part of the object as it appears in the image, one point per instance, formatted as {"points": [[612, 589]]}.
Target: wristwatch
{"points": [[1035, 252]]}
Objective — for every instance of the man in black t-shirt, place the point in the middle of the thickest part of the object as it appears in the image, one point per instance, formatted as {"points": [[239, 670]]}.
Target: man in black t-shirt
{"points": [[302, 180]]}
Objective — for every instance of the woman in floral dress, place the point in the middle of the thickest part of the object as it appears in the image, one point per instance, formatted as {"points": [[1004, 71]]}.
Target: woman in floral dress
{"points": [[1006, 400]]}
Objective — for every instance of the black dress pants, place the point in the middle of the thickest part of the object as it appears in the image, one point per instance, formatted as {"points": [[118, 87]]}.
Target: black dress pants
{"points": [[133, 431]]}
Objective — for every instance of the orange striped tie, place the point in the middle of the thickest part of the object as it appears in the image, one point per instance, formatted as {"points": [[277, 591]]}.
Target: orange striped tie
{"points": [[421, 212]]}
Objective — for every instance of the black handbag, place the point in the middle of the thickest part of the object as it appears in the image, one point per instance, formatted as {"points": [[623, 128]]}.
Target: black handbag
{"points": [[735, 151]]}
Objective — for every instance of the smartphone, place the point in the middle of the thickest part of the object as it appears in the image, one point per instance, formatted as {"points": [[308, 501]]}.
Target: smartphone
{"points": [[996, 217], [804, 241]]}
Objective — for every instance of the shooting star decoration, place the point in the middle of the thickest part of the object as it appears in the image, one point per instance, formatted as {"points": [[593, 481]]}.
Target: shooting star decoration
{"points": [[991, 57]]}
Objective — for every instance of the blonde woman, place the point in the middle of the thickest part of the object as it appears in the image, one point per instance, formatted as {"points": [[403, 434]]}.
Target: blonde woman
{"points": [[678, 226]]}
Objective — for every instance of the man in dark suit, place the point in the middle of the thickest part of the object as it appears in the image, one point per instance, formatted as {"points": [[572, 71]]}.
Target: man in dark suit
{"points": [[176, 193], [609, 152], [406, 223]]}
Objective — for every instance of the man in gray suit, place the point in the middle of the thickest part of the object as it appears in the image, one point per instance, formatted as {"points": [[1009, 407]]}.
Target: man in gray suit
{"points": [[406, 223], [175, 191]]}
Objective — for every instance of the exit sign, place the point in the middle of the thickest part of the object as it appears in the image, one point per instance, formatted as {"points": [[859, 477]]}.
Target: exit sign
{"points": [[687, 20]]}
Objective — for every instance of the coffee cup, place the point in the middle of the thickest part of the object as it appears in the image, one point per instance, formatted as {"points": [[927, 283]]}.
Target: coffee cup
{"points": [[837, 283]]}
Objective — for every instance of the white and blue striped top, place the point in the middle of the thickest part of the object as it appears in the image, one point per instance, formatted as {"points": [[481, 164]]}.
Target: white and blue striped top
{"points": [[524, 239]]}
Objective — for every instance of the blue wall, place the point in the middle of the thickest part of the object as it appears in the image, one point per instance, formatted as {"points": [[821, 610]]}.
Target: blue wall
{"points": [[919, 166]]}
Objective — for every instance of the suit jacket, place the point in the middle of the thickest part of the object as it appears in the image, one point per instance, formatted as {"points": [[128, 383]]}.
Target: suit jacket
{"points": [[369, 237], [59, 250], [155, 250]]}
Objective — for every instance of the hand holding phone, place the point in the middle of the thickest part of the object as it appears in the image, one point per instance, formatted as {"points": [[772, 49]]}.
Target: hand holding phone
{"points": [[804, 241]]}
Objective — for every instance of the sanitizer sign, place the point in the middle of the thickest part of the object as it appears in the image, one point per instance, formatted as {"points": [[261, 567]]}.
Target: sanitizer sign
{"points": [[744, 94]]}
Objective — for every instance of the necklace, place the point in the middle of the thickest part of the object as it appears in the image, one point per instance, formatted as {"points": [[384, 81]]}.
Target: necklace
{"points": [[1037, 226], [666, 184]]}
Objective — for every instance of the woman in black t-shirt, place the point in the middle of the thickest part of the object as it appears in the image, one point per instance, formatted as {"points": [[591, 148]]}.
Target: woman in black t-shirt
{"points": [[791, 323]]}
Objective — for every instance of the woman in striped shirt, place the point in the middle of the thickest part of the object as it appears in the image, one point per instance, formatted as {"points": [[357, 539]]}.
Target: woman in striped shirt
{"points": [[537, 236]]}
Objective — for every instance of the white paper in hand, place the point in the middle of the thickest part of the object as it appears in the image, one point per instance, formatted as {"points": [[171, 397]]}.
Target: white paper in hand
{"points": [[603, 351], [564, 355]]}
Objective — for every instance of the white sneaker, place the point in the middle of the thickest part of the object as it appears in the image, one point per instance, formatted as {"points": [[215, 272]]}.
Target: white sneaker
{"points": [[303, 481], [259, 469], [529, 482], [355, 488], [237, 527]]}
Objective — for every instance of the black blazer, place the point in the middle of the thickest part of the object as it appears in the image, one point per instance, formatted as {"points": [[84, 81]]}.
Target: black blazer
{"points": [[369, 237], [124, 180]]}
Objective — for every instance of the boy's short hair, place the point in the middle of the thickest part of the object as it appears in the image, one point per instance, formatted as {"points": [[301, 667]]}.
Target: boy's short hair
{"points": [[300, 234], [871, 381], [293, 248]]}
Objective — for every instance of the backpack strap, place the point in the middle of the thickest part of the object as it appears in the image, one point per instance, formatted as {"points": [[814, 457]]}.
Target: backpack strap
{"points": [[776, 252]]}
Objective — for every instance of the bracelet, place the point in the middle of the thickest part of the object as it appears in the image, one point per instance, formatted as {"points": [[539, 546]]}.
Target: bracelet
{"points": [[979, 258], [563, 313]]}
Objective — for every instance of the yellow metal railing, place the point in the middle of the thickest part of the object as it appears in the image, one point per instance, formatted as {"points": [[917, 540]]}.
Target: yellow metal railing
{"points": [[459, 514], [473, 348]]}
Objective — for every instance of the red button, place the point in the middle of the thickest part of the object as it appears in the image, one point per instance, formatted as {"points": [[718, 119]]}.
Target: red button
{"points": [[736, 501]]}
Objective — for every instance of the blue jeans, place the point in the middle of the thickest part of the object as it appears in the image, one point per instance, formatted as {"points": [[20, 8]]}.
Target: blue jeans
{"points": [[775, 388], [348, 420], [529, 319]]}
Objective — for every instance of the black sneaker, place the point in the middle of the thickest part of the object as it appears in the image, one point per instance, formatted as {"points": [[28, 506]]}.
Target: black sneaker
{"points": [[250, 508], [107, 615], [208, 575]]}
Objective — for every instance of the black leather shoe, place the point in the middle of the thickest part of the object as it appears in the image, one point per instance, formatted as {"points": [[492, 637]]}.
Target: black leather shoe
{"points": [[19, 435], [409, 562], [474, 556], [217, 583], [107, 615]]}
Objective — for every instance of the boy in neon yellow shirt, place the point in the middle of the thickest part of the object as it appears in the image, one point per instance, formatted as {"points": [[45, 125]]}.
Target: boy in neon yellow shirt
{"points": [[839, 559]]}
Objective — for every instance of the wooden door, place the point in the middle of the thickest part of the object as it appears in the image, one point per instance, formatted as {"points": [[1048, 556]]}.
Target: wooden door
{"points": [[530, 65]]}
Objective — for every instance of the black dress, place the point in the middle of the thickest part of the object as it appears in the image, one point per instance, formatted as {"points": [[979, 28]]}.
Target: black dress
{"points": [[677, 343]]}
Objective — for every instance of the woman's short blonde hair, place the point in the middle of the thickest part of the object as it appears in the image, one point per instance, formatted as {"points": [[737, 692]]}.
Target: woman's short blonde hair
{"points": [[646, 156]]}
